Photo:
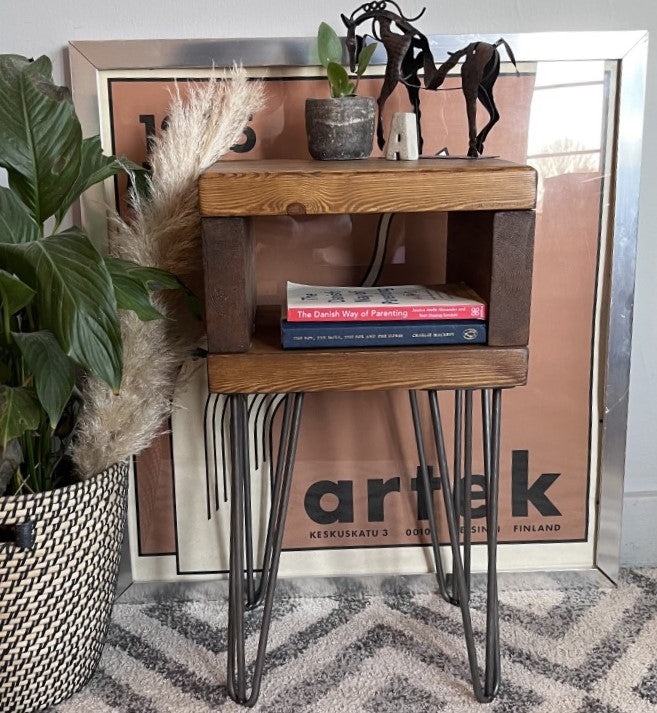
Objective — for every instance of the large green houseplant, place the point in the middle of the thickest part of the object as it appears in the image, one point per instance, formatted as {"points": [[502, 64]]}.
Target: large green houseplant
{"points": [[88, 367], [59, 297], [60, 536]]}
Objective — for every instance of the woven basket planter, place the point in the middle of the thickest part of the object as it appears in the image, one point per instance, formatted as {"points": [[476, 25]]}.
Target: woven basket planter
{"points": [[56, 596]]}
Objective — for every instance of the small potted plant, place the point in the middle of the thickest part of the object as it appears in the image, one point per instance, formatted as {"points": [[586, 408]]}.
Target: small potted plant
{"points": [[341, 127]]}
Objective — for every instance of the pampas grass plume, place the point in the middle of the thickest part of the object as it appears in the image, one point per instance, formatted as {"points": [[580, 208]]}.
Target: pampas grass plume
{"points": [[164, 231]]}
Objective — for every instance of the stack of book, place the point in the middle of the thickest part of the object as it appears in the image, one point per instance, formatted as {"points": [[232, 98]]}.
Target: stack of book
{"points": [[337, 317]]}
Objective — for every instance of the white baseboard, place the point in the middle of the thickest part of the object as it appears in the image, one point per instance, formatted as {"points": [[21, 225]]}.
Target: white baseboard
{"points": [[639, 538]]}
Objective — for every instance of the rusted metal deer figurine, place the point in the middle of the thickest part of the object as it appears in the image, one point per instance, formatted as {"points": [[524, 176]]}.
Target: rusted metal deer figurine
{"points": [[403, 62], [408, 51], [479, 72]]}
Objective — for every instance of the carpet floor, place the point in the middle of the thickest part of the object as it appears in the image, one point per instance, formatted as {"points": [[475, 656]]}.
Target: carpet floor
{"points": [[582, 650]]}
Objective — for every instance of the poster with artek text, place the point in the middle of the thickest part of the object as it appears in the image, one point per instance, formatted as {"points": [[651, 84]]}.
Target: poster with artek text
{"points": [[355, 503]]}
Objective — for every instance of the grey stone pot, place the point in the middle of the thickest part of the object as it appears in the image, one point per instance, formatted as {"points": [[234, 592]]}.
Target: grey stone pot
{"points": [[340, 129]]}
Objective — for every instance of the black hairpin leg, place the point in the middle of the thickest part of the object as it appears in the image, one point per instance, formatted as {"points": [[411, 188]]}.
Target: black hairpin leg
{"points": [[255, 584], [486, 690], [248, 515], [237, 601]]}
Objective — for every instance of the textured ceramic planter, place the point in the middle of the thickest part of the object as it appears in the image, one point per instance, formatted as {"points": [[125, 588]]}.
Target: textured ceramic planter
{"points": [[340, 129], [57, 585]]}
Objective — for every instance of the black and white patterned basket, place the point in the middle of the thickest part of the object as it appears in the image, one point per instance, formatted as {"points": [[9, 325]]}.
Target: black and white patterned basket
{"points": [[56, 595]]}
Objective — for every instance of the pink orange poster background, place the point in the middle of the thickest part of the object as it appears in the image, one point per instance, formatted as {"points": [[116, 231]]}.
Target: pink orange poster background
{"points": [[353, 444]]}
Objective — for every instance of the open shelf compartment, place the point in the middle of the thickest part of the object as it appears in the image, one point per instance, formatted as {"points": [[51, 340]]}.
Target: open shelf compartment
{"points": [[267, 368]]}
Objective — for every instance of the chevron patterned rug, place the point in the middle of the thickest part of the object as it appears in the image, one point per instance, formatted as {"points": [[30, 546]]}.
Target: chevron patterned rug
{"points": [[581, 650]]}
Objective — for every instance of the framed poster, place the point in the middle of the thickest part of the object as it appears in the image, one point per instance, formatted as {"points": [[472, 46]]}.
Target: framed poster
{"points": [[571, 111]]}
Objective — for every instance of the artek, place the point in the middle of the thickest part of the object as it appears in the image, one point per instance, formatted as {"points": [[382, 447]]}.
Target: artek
{"points": [[522, 494]]}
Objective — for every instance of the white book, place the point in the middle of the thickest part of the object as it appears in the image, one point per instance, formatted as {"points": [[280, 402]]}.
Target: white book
{"points": [[314, 303]]}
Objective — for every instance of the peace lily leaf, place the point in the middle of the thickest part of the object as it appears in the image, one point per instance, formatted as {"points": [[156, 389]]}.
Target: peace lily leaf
{"points": [[131, 291], [42, 66], [139, 183], [54, 372], [40, 136], [75, 299], [19, 412], [147, 278], [152, 277], [16, 223], [14, 294], [156, 279], [329, 47], [18, 58], [11, 456], [365, 58], [94, 168]]}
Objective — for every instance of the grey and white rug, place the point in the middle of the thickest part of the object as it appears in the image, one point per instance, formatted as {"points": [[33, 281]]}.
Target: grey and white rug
{"points": [[581, 650]]}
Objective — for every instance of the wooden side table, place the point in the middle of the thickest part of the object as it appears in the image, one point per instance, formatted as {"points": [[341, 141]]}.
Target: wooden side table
{"points": [[490, 247]]}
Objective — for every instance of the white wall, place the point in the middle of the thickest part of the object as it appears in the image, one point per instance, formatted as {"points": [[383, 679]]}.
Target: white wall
{"points": [[31, 27]]}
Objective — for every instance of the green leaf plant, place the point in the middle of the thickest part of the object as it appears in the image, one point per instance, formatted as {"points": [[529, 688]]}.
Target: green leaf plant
{"points": [[329, 49], [59, 297]]}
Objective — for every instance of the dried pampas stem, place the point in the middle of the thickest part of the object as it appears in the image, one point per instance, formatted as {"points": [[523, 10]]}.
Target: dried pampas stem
{"points": [[163, 232]]}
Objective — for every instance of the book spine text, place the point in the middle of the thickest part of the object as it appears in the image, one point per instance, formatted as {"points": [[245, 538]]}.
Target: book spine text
{"points": [[326, 336], [385, 314]]}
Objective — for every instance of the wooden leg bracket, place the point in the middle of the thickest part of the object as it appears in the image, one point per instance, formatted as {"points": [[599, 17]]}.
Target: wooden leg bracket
{"points": [[493, 252], [230, 289]]}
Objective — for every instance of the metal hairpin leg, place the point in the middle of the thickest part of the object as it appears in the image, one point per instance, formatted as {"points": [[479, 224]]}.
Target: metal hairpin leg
{"points": [[238, 599], [486, 690], [258, 591]]}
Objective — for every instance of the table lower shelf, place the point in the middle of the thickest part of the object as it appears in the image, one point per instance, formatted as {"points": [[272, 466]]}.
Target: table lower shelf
{"points": [[267, 368]]}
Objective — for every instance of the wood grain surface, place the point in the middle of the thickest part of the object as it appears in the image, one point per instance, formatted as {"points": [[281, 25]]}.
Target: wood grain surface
{"points": [[282, 187], [493, 252], [229, 277], [266, 368], [154, 494]]}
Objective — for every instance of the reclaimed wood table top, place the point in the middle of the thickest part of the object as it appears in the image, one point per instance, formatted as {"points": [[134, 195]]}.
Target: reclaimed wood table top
{"points": [[374, 185]]}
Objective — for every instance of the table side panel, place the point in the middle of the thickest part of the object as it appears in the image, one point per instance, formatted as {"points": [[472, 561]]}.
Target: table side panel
{"points": [[229, 279], [493, 252]]}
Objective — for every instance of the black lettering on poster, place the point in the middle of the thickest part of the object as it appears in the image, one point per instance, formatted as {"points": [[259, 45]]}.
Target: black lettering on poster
{"points": [[478, 490], [416, 486], [343, 511], [148, 120], [377, 489], [248, 144], [522, 493]]}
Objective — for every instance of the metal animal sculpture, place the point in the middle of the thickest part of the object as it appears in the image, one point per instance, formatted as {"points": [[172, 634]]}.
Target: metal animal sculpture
{"points": [[479, 72], [408, 51]]}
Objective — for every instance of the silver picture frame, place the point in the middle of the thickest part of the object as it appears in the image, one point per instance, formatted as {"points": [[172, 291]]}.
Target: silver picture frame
{"points": [[91, 61]]}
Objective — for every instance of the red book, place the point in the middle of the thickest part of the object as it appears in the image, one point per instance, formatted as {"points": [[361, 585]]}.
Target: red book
{"points": [[312, 303]]}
